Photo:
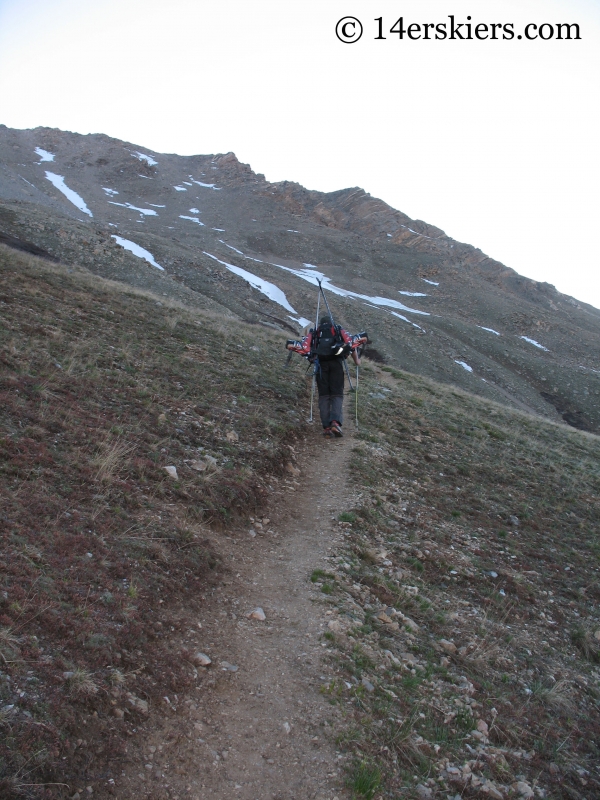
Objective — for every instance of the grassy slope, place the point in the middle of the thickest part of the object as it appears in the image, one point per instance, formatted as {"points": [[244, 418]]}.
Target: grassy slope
{"points": [[100, 389], [508, 703]]}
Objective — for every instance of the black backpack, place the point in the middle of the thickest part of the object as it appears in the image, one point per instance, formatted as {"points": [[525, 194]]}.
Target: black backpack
{"points": [[329, 341]]}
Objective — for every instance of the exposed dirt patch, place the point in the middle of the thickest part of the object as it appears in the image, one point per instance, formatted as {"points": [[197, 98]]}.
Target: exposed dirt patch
{"points": [[264, 730]]}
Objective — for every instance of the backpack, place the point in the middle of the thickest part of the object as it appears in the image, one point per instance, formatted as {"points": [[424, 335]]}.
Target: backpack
{"points": [[329, 341]]}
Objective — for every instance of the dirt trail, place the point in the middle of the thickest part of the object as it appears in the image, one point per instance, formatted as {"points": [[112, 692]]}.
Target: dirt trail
{"points": [[264, 730]]}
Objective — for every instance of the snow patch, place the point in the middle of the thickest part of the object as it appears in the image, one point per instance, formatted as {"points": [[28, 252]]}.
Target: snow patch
{"points": [[205, 185], [312, 275], [302, 321], [194, 210], [180, 188], [269, 289], [146, 211], [111, 192], [533, 342], [191, 219], [44, 155], [464, 365], [414, 324], [221, 230], [412, 294], [143, 157], [231, 247], [59, 183], [433, 283], [155, 205], [137, 251], [289, 230], [490, 330]]}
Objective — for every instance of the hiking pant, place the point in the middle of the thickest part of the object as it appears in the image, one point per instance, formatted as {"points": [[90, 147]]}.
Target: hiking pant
{"points": [[330, 383]]}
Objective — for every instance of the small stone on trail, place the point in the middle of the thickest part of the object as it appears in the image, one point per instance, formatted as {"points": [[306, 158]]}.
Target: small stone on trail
{"points": [[137, 702], [410, 623], [252, 532], [202, 660], [287, 727], [229, 667], [199, 466], [514, 521], [449, 647], [482, 726], [524, 790], [368, 685], [493, 574], [335, 625], [597, 635], [258, 614], [232, 436], [424, 792], [490, 788], [172, 472]]}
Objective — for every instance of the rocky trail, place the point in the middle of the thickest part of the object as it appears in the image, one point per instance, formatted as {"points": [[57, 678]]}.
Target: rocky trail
{"points": [[257, 726]]}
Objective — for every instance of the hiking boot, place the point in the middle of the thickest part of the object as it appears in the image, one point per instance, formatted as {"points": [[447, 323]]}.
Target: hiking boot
{"points": [[327, 432], [336, 428]]}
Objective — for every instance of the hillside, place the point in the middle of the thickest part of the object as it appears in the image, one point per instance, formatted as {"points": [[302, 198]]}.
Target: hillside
{"points": [[215, 235], [430, 583], [102, 388]]}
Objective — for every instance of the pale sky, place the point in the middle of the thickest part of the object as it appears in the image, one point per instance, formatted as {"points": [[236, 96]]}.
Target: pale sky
{"points": [[495, 142]]}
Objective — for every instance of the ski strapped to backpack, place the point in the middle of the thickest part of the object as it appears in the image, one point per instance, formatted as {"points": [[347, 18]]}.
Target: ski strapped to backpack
{"points": [[327, 340]]}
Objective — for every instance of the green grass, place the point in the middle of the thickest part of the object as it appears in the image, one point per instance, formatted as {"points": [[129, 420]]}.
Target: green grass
{"points": [[318, 575], [365, 781]]}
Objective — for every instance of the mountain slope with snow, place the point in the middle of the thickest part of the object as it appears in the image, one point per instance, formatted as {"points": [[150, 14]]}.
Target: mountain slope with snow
{"points": [[210, 232]]}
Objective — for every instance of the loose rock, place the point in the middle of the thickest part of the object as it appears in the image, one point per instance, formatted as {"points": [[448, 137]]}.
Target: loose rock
{"points": [[258, 614], [449, 647], [202, 660], [172, 472], [524, 790]]}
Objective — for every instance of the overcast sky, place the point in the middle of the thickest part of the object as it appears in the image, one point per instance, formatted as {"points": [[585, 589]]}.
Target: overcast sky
{"points": [[494, 141]]}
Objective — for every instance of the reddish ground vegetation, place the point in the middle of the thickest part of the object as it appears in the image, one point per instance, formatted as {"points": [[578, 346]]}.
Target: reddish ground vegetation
{"points": [[100, 389]]}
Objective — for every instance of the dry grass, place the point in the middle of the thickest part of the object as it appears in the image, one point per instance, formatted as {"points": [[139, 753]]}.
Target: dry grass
{"points": [[112, 459], [9, 645], [81, 683]]}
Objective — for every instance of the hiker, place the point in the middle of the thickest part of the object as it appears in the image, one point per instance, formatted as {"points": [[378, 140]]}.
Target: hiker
{"points": [[326, 348]]}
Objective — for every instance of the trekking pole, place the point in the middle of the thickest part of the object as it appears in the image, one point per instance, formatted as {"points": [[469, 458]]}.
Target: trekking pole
{"points": [[349, 378], [314, 378], [356, 400]]}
